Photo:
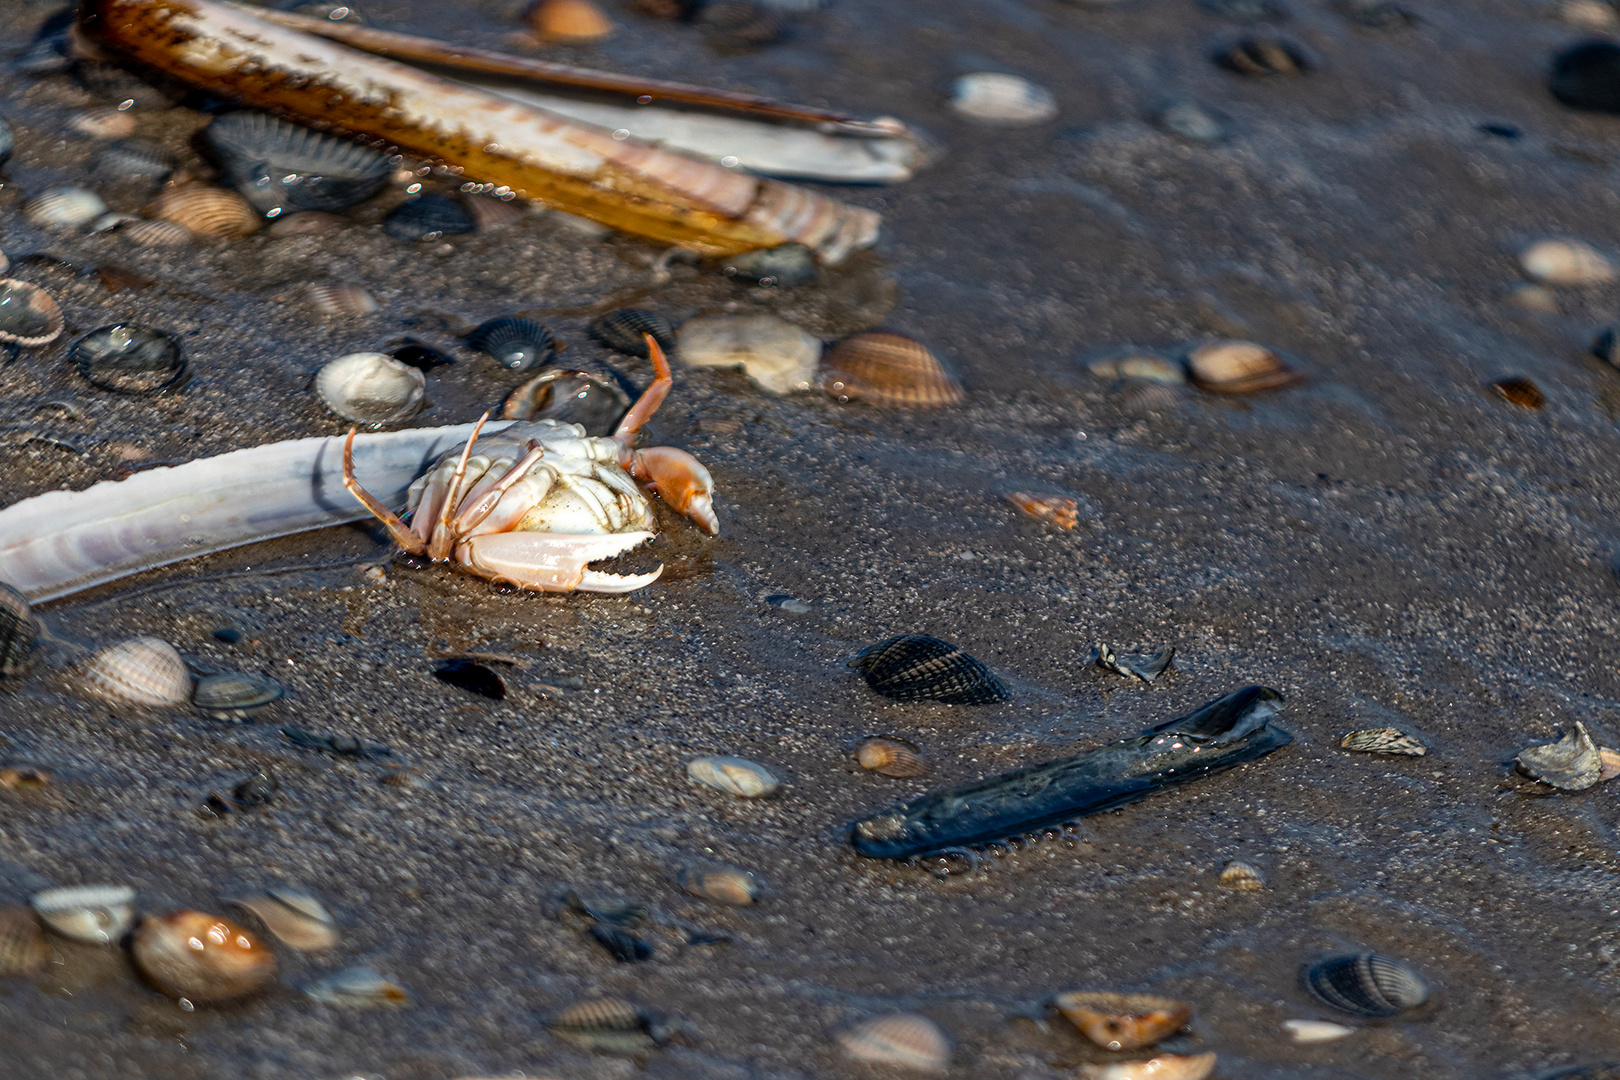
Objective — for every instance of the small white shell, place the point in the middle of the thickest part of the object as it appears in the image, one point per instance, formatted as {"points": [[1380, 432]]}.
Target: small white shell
{"points": [[738, 776], [994, 98], [296, 917], [110, 122], [95, 914], [335, 298], [1315, 1031], [777, 355], [1241, 877], [139, 671], [65, 208], [370, 388], [904, 1039], [1592, 14], [1566, 262]]}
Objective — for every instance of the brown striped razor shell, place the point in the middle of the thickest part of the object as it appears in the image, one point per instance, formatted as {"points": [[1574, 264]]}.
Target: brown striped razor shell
{"points": [[666, 196], [1123, 1021]]}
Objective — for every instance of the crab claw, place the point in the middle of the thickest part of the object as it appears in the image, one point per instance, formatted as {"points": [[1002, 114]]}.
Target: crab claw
{"points": [[680, 480], [554, 562]]}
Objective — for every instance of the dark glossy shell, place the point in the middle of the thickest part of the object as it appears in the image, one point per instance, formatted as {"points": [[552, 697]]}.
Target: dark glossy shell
{"points": [[1587, 76], [518, 344], [916, 667], [134, 160], [281, 167], [1264, 56], [574, 397], [28, 315], [428, 217], [129, 359], [1366, 984], [622, 331], [1520, 391], [620, 943], [471, 676], [234, 694], [18, 632], [785, 266]]}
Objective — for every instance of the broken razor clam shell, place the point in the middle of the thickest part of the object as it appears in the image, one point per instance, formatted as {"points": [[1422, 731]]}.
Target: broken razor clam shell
{"points": [[1229, 731], [233, 695], [281, 167], [1366, 984], [1385, 740], [1123, 1021], [515, 344], [1573, 763], [19, 631], [371, 388], [28, 315], [1163, 1067], [358, 988], [902, 1039], [140, 671], [574, 397], [93, 914], [125, 358], [775, 354], [625, 331], [889, 370], [295, 916], [916, 667], [612, 1026], [737, 776], [995, 98], [1145, 668], [196, 956], [891, 757]]}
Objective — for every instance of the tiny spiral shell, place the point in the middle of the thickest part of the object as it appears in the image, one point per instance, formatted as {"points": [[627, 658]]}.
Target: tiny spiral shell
{"points": [[206, 211], [139, 671]]}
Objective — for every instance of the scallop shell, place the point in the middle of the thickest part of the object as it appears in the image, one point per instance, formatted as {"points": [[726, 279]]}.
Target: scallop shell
{"points": [[904, 1039], [1306, 1032], [574, 397], [334, 298], [1123, 1021], [776, 355], [737, 776], [139, 671], [358, 988], [888, 369], [196, 956], [156, 234], [1366, 984], [1259, 57], [134, 160], [19, 630], [28, 315], [1384, 740], [722, 884], [622, 331], [129, 359], [1241, 877], [65, 208], [22, 944], [370, 388], [232, 695], [296, 917], [568, 21], [1566, 262], [428, 217], [611, 1026], [1064, 513], [1239, 367], [1163, 1067], [915, 667], [94, 914], [282, 167], [890, 757], [1572, 764], [206, 211], [515, 344], [110, 122], [994, 98]]}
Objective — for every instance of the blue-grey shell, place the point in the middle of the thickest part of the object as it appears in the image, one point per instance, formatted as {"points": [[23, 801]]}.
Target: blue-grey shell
{"points": [[281, 167], [518, 344]]}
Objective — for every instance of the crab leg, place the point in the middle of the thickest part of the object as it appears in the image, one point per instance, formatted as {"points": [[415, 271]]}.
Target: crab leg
{"points": [[396, 528], [474, 515], [554, 562], [443, 538], [650, 399], [680, 480]]}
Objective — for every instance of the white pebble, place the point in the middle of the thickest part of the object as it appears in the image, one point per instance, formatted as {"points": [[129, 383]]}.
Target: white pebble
{"points": [[993, 98], [1316, 1031]]}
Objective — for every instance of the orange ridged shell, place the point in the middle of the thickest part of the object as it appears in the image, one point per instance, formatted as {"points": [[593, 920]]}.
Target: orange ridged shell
{"points": [[890, 757], [1123, 1021], [883, 368], [206, 211], [568, 21]]}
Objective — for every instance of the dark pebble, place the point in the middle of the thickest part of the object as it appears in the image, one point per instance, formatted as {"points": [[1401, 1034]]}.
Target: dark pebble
{"points": [[1588, 77]]}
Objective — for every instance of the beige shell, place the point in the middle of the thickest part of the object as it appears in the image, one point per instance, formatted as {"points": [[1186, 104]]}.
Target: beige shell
{"points": [[24, 777], [28, 315], [1384, 740], [1123, 1021], [568, 21], [370, 388], [22, 943], [1573, 763], [1609, 763], [206, 211], [296, 917], [139, 671], [1533, 298], [889, 757], [777, 355], [1163, 1067], [1306, 1032], [110, 122], [335, 298], [64, 208], [1566, 262], [305, 223], [1241, 877], [992, 97], [156, 234], [1064, 513], [358, 988], [738, 776], [1239, 367], [200, 957], [883, 368], [1149, 367], [722, 884], [1142, 398], [94, 914], [903, 1039]]}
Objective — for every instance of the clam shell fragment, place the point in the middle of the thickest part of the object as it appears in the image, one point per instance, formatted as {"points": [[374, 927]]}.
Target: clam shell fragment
{"points": [[106, 122], [22, 944], [1123, 1021], [916, 667], [28, 315], [200, 957], [1385, 740], [890, 370], [1366, 984], [370, 388], [94, 914], [737, 776], [991, 97], [1572, 764], [336, 298], [612, 1026], [902, 1039], [1163, 1067], [140, 671], [722, 884], [358, 988], [775, 354], [1239, 367], [890, 757], [1241, 877], [1261, 57], [1147, 366], [296, 917], [1567, 262]]}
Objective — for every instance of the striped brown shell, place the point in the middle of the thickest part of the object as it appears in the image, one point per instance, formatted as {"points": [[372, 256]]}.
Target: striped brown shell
{"points": [[337, 298], [890, 757], [1241, 877], [18, 632], [612, 1026], [156, 234], [887, 369], [22, 942], [139, 671], [1239, 367], [206, 211]]}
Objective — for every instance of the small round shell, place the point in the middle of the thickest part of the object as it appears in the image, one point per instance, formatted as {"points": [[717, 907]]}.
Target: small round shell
{"points": [[65, 208], [775, 354], [890, 757], [1239, 367], [624, 330], [1572, 764], [1123, 1021], [1241, 877], [22, 944], [568, 21], [1366, 984], [888, 369], [206, 211], [108, 122], [358, 988], [94, 914], [737, 776], [1260, 57], [1566, 262], [140, 671], [515, 344], [722, 884], [336, 298], [156, 234], [994, 98], [234, 694], [1163, 1067], [129, 359], [574, 397], [904, 1039], [281, 167], [1306, 1032], [28, 315], [370, 388], [200, 957], [428, 217], [19, 630], [916, 667], [1384, 740]]}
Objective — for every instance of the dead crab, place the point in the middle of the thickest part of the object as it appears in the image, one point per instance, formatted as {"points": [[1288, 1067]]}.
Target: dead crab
{"points": [[539, 501]]}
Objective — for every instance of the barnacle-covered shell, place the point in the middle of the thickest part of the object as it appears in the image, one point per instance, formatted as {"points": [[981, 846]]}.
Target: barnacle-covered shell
{"points": [[94, 914], [233, 694], [516, 344], [1573, 763], [295, 916], [28, 315], [1241, 877], [19, 630], [883, 368], [611, 1026], [1064, 513], [991, 97], [1566, 262], [206, 211], [64, 208], [337, 298], [139, 671], [1262, 56], [574, 397], [1239, 367], [428, 217], [358, 988], [738, 776], [106, 122], [370, 388], [1163, 1067], [1384, 740], [1366, 984], [775, 354], [1306, 1032], [890, 757], [22, 944], [903, 1039], [915, 667], [722, 884], [1123, 1021], [281, 167], [624, 331], [128, 359], [156, 233], [568, 21], [200, 957]]}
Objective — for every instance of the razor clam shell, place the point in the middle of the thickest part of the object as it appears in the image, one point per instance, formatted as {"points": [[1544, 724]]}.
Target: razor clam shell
{"points": [[94, 914], [903, 1039], [64, 541], [140, 671], [916, 667], [1385, 740], [1366, 984], [1573, 763]]}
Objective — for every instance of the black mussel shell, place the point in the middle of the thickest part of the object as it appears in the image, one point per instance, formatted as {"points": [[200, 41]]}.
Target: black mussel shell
{"points": [[1366, 984], [129, 359], [1245, 11], [916, 667], [420, 356], [622, 945], [1263, 56], [18, 632], [622, 331], [784, 266], [574, 397], [519, 344], [281, 167], [471, 676], [1588, 77], [428, 217], [138, 160]]}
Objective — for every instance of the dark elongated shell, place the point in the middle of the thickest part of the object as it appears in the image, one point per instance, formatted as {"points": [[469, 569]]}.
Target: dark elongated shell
{"points": [[1587, 76], [574, 397], [888, 369], [620, 943], [611, 1026], [18, 632], [518, 344], [1259, 57], [28, 315], [428, 217], [1366, 984], [471, 676], [281, 167], [233, 695], [129, 359], [622, 331], [22, 943], [916, 667]]}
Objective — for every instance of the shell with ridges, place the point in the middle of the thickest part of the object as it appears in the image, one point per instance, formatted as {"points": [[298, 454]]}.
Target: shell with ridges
{"points": [[916, 667], [995, 98], [1385, 740], [738, 776], [884, 368], [233, 694], [336, 298], [775, 354], [19, 630], [281, 167], [94, 914], [428, 217], [64, 208], [515, 344], [134, 159], [1366, 984], [370, 388], [623, 330], [140, 671], [903, 1039], [200, 957], [1573, 763], [1239, 367], [890, 757], [611, 1026], [22, 944], [1163, 1067], [28, 315], [1241, 877], [206, 211], [1123, 1021], [156, 234]]}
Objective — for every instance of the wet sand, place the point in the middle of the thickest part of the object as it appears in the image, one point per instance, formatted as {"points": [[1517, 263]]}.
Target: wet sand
{"points": [[1390, 544]]}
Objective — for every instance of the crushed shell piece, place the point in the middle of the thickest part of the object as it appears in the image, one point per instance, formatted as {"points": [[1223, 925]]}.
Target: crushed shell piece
{"points": [[1315, 1031], [1566, 262], [1573, 763], [1123, 1021], [1064, 513], [903, 1039], [1163, 1067], [1384, 740]]}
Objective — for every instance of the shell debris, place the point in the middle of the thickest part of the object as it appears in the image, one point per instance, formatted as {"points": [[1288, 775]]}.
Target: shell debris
{"points": [[22, 943], [992, 97], [1519, 391], [903, 1039], [337, 298], [722, 884], [889, 370], [775, 354], [93, 914], [1573, 763], [1263, 57], [1123, 1021], [1567, 262], [623, 331], [358, 988], [1384, 740], [1064, 513], [734, 775], [1306, 1032], [140, 671], [295, 916], [891, 757], [1163, 1067], [1149, 367], [1241, 877]]}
